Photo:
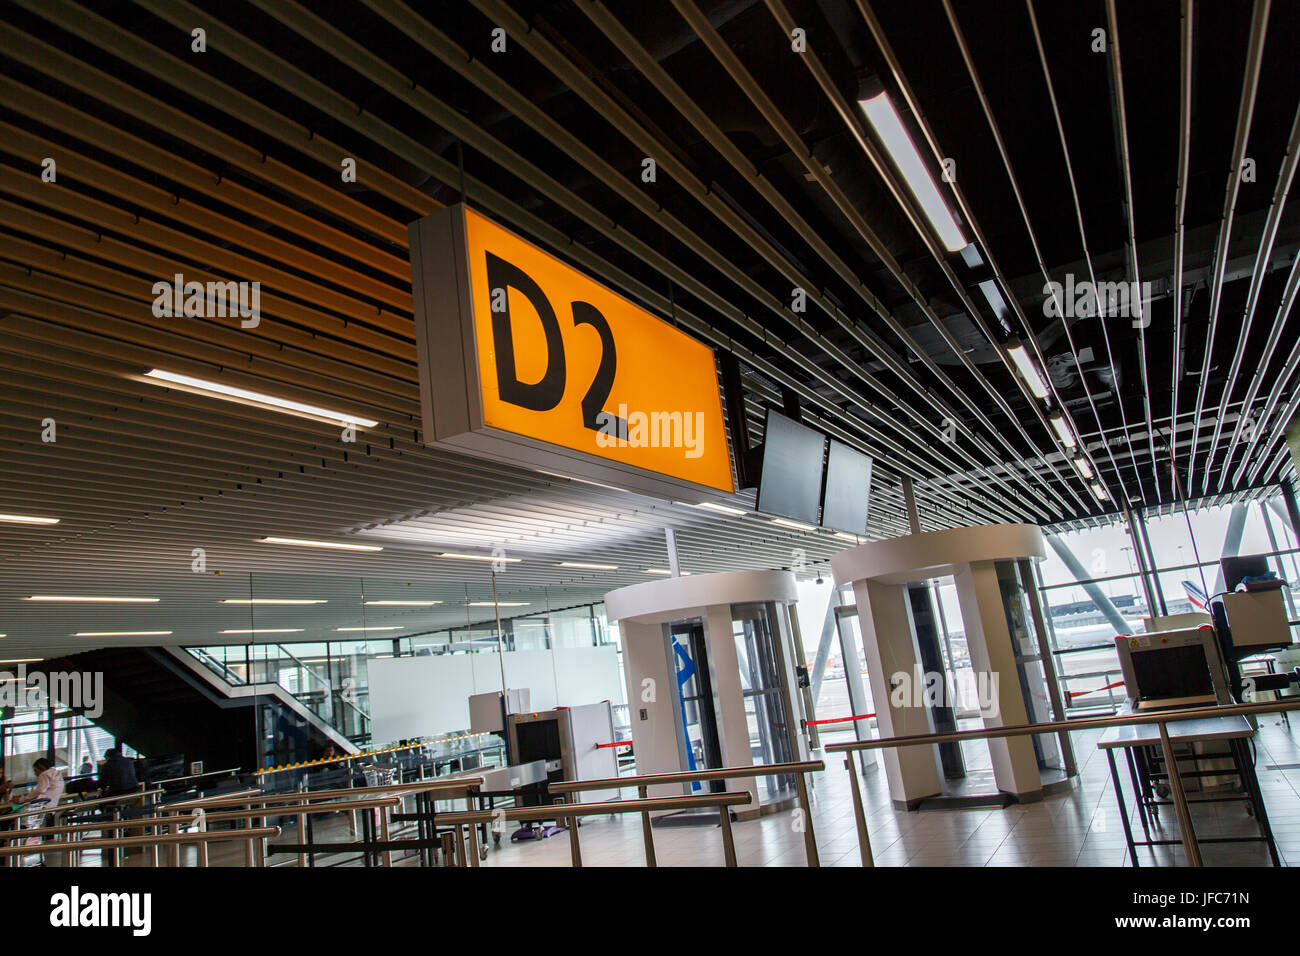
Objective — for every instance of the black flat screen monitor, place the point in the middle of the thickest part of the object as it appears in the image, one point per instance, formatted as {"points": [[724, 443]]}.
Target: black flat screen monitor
{"points": [[1242, 566], [790, 480], [848, 486], [165, 767], [1167, 672]]}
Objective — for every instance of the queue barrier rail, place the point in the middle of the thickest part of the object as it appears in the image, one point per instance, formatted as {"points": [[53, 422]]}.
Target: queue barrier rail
{"points": [[1160, 718], [246, 806], [797, 769], [76, 806], [570, 812], [198, 816], [424, 791], [200, 838], [296, 796]]}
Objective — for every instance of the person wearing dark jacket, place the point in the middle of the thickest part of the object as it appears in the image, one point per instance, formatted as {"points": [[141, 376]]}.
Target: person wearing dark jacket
{"points": [[117, 775]]}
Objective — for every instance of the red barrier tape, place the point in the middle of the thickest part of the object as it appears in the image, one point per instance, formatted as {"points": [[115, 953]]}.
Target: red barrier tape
{"points": [[1084, 693], [839, 720], [617, 743]]}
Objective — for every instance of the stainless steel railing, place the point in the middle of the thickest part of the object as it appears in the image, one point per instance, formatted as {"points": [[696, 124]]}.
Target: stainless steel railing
{"points": [[571, 811], [643, 782], [1162, 719]]}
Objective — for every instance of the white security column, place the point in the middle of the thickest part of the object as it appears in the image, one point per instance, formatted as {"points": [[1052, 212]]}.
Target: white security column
{"points": [[913, 772], [642, 611], [729, 698], [655, 734], [1015, 769]]}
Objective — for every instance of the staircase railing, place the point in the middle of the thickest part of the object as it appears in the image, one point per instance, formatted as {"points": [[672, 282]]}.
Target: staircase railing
{"points": [[314, 692]]}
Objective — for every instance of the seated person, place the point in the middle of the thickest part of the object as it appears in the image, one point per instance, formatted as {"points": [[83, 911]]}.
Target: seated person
{"points": [[117, 776], [47, 792]]}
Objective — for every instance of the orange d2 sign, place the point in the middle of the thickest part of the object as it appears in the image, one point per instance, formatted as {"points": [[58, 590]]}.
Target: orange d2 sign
{"points": [[524, 358]]}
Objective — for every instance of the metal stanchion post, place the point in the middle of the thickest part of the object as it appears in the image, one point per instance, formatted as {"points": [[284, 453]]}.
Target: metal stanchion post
{"points": [[647, 832], [473, 844], [302, 833], [809, 839], [383, 834], [1190, 846], [460, 844], [728, 839], [864, 841], [575, 851]]}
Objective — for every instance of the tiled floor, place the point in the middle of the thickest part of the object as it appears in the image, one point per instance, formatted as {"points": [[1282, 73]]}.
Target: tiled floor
{"points": [[1078, 828]]}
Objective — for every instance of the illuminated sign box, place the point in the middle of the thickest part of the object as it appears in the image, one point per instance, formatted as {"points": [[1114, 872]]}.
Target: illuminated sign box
{"points": [[524, 359]]}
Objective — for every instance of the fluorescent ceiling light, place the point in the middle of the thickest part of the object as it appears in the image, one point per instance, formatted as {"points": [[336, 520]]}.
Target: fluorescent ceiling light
{"points": [[478, 557], [322, 544], [91, 600], [23, 660], [4, 635], [348, 630], [28, 519], [1063, 431], [889, 127], [246, 397], [586, 481], [587, 565], [717, 506], [1028, 372], [1099, 491], [798, 525], [263, 630], [666, 572], [498, 604], [992, 295], [846, 536], [1084, 466], [402, 603], [272, 601], [121, 634]]}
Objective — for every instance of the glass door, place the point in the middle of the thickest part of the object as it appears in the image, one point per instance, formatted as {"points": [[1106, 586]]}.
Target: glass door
{"points": [[760, 653], [699, 720]]}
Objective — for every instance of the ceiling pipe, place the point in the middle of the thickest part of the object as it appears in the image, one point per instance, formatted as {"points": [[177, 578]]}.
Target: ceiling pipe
{"points": [[851, 120], [987, 108], [913, 104], [1266, 241], [1083, 240], [727, 58], [627, 44], [1120, 116], [1245, 112], [1289, 293], [1180, 202]]}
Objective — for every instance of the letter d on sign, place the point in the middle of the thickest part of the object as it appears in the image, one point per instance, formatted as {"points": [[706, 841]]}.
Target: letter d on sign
{"points": [[543, 395]]}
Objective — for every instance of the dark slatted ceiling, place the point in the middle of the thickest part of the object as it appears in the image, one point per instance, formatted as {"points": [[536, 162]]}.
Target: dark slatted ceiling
{"points": [[225, 165]]}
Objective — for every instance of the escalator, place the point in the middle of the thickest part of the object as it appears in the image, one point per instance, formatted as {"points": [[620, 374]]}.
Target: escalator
{"points": [[162, 700]]}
